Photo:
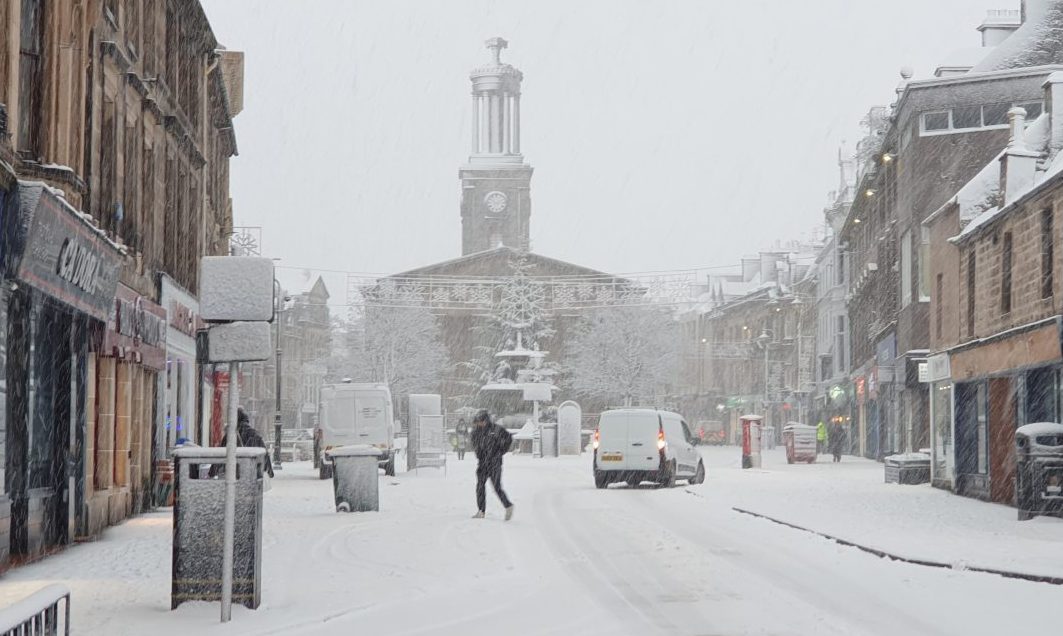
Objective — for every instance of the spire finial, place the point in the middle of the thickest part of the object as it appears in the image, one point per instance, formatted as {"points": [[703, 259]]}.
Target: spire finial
{"points": [[495, 45]]}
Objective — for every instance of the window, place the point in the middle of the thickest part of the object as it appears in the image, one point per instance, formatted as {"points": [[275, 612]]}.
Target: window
{"points": [[841, 268], [924, 265], [1005, 275], [131, 210], [935, 121], [107, 213], [839, 345], [967, 117], [938, 308], [31, 82], [970, 293], [1047, 254], [1033, 109], [996, 114], [906, 268]]}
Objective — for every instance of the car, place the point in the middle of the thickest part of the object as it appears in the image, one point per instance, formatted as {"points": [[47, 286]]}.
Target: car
{"points": [[636, 445]]}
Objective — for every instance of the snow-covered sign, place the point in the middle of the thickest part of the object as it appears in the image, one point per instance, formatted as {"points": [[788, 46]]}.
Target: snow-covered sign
{"points": [[239, 342], [432, 437], [235, 288], [537, 392], [569, 425]]}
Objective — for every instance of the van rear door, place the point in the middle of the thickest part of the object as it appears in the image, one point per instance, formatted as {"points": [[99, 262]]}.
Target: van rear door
{"points": [[642, 431], [612, 440], [372, 418]]}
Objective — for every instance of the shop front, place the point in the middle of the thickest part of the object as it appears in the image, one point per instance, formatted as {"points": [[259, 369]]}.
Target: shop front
{"points": [[121, 426], [8, 211], [64, 287], [179, 384], [942, 450], [1002, 383]]}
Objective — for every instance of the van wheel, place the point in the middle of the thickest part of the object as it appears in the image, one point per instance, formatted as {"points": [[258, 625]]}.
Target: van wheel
{"points": [[324, 471], [601, 480], [699, 475], [667, 480]]}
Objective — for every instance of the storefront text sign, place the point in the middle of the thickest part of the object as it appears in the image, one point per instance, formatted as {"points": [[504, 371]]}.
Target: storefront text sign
{"points": [[65, 258], [137, 328]]}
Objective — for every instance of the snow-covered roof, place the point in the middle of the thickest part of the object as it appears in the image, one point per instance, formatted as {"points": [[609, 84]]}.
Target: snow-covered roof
{"points": [[1037, 42], [980, 200], [965, 58]]}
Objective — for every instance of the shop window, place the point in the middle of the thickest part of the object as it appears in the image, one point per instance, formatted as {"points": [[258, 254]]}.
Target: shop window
{"points": [[1042, 395], [982, 428]]}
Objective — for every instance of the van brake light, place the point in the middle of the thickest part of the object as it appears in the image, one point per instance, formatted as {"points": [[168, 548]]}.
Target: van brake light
{"points": [[597, 438], [661, 443]]}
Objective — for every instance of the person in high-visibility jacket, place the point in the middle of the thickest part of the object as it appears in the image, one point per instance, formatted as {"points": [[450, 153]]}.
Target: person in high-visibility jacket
{"points": [[821, 437]]}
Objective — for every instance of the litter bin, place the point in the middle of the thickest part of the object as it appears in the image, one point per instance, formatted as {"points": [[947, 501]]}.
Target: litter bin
{"points": [[907, 468], [1039, 470], [800, 440], [199, 525], [355, 478]]}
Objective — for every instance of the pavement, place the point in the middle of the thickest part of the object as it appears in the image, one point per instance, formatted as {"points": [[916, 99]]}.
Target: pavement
{"points": [[576, 560]]}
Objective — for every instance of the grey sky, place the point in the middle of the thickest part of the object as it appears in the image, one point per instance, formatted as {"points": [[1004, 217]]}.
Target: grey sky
{"points": [[664, 135]]}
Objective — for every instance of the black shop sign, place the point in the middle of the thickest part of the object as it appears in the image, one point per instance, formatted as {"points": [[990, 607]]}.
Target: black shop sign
{"points": [[65, 257]]}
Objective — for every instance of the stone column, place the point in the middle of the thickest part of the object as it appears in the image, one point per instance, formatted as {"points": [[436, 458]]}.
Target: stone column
{"points": [[495, 133], [475, 124], [105, 402], [123, 421], [516, 124], [506, 123]]}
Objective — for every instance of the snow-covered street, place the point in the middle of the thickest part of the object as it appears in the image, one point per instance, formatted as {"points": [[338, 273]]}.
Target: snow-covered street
{"points": [[575, 560]]}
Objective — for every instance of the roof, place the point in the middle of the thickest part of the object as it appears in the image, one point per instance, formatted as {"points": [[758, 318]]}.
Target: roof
{"points": [[1037, 42], [964, 58], [496, 261]]}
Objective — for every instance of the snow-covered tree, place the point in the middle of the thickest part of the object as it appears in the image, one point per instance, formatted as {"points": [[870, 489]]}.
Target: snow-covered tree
{"points": [[623, 355], [399, 346]]}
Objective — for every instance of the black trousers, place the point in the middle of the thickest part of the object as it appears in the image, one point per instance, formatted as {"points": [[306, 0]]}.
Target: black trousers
{"points": [[492, 471]]}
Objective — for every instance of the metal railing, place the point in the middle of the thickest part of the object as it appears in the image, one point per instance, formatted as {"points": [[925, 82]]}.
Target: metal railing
{"points": [[38, 614]]}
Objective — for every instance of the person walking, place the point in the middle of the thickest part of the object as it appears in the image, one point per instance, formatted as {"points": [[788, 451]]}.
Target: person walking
{"points": [[245, 436], [821, 437], [461, 431], [837, 440], [490, 442]]}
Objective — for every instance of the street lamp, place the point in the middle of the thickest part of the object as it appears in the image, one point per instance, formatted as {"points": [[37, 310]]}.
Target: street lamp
{"points": [[278, 304], [763, 340]]}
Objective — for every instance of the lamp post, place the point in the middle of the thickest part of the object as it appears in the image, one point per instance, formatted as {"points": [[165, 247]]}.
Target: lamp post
{"points": [[764, 341], [278, 303]]}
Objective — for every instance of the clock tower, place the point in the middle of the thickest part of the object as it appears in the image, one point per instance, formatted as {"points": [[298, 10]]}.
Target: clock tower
{"points": [[495, 195]]}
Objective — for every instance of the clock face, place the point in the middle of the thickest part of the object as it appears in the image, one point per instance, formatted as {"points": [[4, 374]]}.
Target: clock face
{"points": [[496, 202]]}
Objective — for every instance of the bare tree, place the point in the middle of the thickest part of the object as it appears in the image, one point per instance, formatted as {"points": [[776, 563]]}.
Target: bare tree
{"points": [[623, 354], [398, 346]]}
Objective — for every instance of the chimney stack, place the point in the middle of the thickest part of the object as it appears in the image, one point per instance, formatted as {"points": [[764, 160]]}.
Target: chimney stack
{"points": [[1053, 87], [1019, 163]]}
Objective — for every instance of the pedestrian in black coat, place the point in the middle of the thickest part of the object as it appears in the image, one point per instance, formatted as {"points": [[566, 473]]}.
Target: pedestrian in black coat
{"points": [[461, 432], [490, 442], [248, 436], [836, 441]]}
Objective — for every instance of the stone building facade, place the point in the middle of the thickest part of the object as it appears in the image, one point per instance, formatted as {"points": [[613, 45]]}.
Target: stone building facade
{"points": [[116, 128], [995, 312]]}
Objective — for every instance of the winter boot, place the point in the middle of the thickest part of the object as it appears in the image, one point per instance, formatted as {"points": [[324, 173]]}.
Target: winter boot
{"points": [[479, 515], [509, 512]]}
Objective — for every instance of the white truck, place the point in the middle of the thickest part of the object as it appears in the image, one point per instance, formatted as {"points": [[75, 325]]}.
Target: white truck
{"points": [[353, 414]]}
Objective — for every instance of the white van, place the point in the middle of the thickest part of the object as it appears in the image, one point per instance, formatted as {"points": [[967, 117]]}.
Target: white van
{"points": [[354, 414], [637, 445]]}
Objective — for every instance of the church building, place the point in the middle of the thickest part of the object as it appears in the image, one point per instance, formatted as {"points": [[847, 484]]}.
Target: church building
{"points": [[496, 204]]}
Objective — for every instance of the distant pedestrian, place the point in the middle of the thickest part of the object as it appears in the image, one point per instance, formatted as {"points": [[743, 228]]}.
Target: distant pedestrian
{"points": [[461, 431], [490, 442], [821, 437], [837, 440], [245, 436]]}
